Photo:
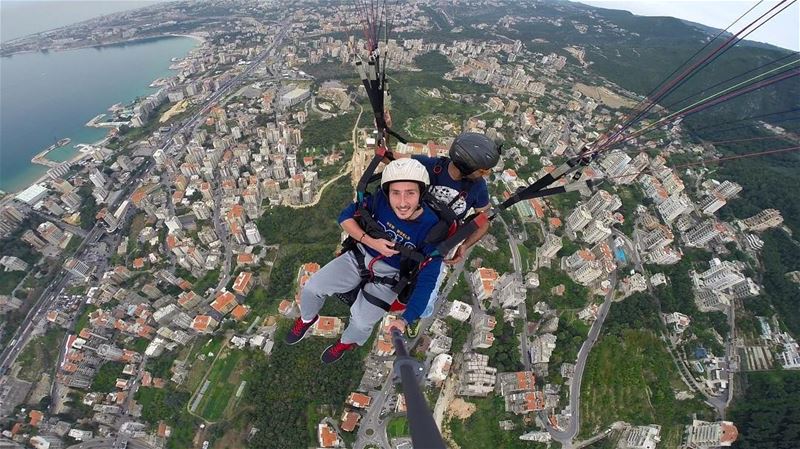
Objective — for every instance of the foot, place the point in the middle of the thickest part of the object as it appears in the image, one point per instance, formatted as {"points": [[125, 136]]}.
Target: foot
{"points": [[335, 351], [299, 330]]}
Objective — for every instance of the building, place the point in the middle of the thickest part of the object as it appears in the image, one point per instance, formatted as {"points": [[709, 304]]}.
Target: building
{"points": [[516, 382], [204, 324], [703, 233], [224, 303], [243, 283], [707, 435], [459, 311], [32, 195], [658, 238], [358, 400], [34, 240], [677, 321], [525, 402], [542, 348], [767, 218], [51, 233], [674, 206], [640, 437], [327, 436], [440, 368], [251, 233], [482, 339], [12, 263], [509, 291], [483, 282], [551, 246], [350, 420], [595, 232], [477, 377], [578, 219], [328, 327], [78, 268]]}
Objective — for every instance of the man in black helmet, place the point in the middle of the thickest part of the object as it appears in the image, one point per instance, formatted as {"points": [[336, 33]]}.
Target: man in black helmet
{"points": [[458, 181]]}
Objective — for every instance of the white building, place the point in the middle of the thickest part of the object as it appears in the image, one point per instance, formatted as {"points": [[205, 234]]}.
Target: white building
{"points": [[460, 311]]}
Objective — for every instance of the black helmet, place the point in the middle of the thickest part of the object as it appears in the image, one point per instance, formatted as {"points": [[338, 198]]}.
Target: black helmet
{"points": [[473, 151]]}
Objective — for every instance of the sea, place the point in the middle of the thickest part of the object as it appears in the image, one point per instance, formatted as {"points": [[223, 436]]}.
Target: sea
{"points": [[45, 97]]}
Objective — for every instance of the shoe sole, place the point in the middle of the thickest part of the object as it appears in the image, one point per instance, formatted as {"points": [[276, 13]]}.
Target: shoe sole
{"points": [[321, 357], [296, 341]]}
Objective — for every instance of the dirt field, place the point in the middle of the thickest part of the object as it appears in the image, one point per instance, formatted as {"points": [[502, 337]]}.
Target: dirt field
{"points": [[461, 409], [605, 96]]}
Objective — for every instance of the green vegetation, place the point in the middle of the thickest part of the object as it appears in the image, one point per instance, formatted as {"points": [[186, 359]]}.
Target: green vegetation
{"points": [[460, 290], [458, 332], [83, 319], [89, 208], [631, 377], [631, 198], [481, 429], [106, 377], [209, 280], [779, 256], [293, 381], [40, 355], [410, 103], [766, 416], [299, 242], [327, 134], [397, 427], [9, 281], [570, 336], [160, 404], [574, 297], [504, 354], [499, 260]]}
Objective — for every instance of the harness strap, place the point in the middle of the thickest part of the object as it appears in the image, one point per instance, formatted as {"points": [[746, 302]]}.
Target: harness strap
{"points": [[395, 306], [368, 275]]}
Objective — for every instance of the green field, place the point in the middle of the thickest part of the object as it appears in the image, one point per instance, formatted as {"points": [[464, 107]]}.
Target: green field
{"points": [[199, 367], [631, 377], [397, 427], [222, 387]]}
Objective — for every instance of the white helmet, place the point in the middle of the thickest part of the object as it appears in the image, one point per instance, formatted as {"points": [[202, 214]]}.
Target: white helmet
{"points": [[405, 169]]}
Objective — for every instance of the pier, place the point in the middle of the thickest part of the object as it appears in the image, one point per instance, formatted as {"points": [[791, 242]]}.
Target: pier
{"points": [[41, 157]]}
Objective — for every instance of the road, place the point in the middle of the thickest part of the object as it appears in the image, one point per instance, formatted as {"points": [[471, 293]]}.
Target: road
{"points": [[523, 311], [566, 436]]}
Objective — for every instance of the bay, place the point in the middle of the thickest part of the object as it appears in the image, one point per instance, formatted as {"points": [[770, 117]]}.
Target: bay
{"points": [[47, 96]]}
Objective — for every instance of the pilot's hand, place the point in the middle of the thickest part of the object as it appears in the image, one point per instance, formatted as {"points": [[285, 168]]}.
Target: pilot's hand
{"points": [[458, 256], [383, 246]]}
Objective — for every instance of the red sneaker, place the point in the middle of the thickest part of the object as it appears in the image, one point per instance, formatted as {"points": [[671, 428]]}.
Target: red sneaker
{"points": [[335, 351], [299, 330]]}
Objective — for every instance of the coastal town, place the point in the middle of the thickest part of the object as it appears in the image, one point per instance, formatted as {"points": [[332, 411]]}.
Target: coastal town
{"points": [[148, 283]]}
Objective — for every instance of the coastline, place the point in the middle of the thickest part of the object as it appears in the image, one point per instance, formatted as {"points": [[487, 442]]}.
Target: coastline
{"points": [[200, 39], [79, 155]]}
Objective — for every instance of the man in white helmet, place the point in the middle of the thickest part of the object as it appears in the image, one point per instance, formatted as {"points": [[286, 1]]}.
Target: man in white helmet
{"points": [[403, 221]]}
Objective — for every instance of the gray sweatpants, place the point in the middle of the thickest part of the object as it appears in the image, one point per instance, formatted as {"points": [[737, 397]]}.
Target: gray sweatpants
{"points": [[340, 276]]}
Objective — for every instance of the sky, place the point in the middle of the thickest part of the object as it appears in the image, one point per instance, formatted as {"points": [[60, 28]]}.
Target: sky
{"points": [[782, 31]]}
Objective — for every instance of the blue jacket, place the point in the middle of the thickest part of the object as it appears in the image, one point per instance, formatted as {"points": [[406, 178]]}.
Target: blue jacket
{"points": [[410, 233]]}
